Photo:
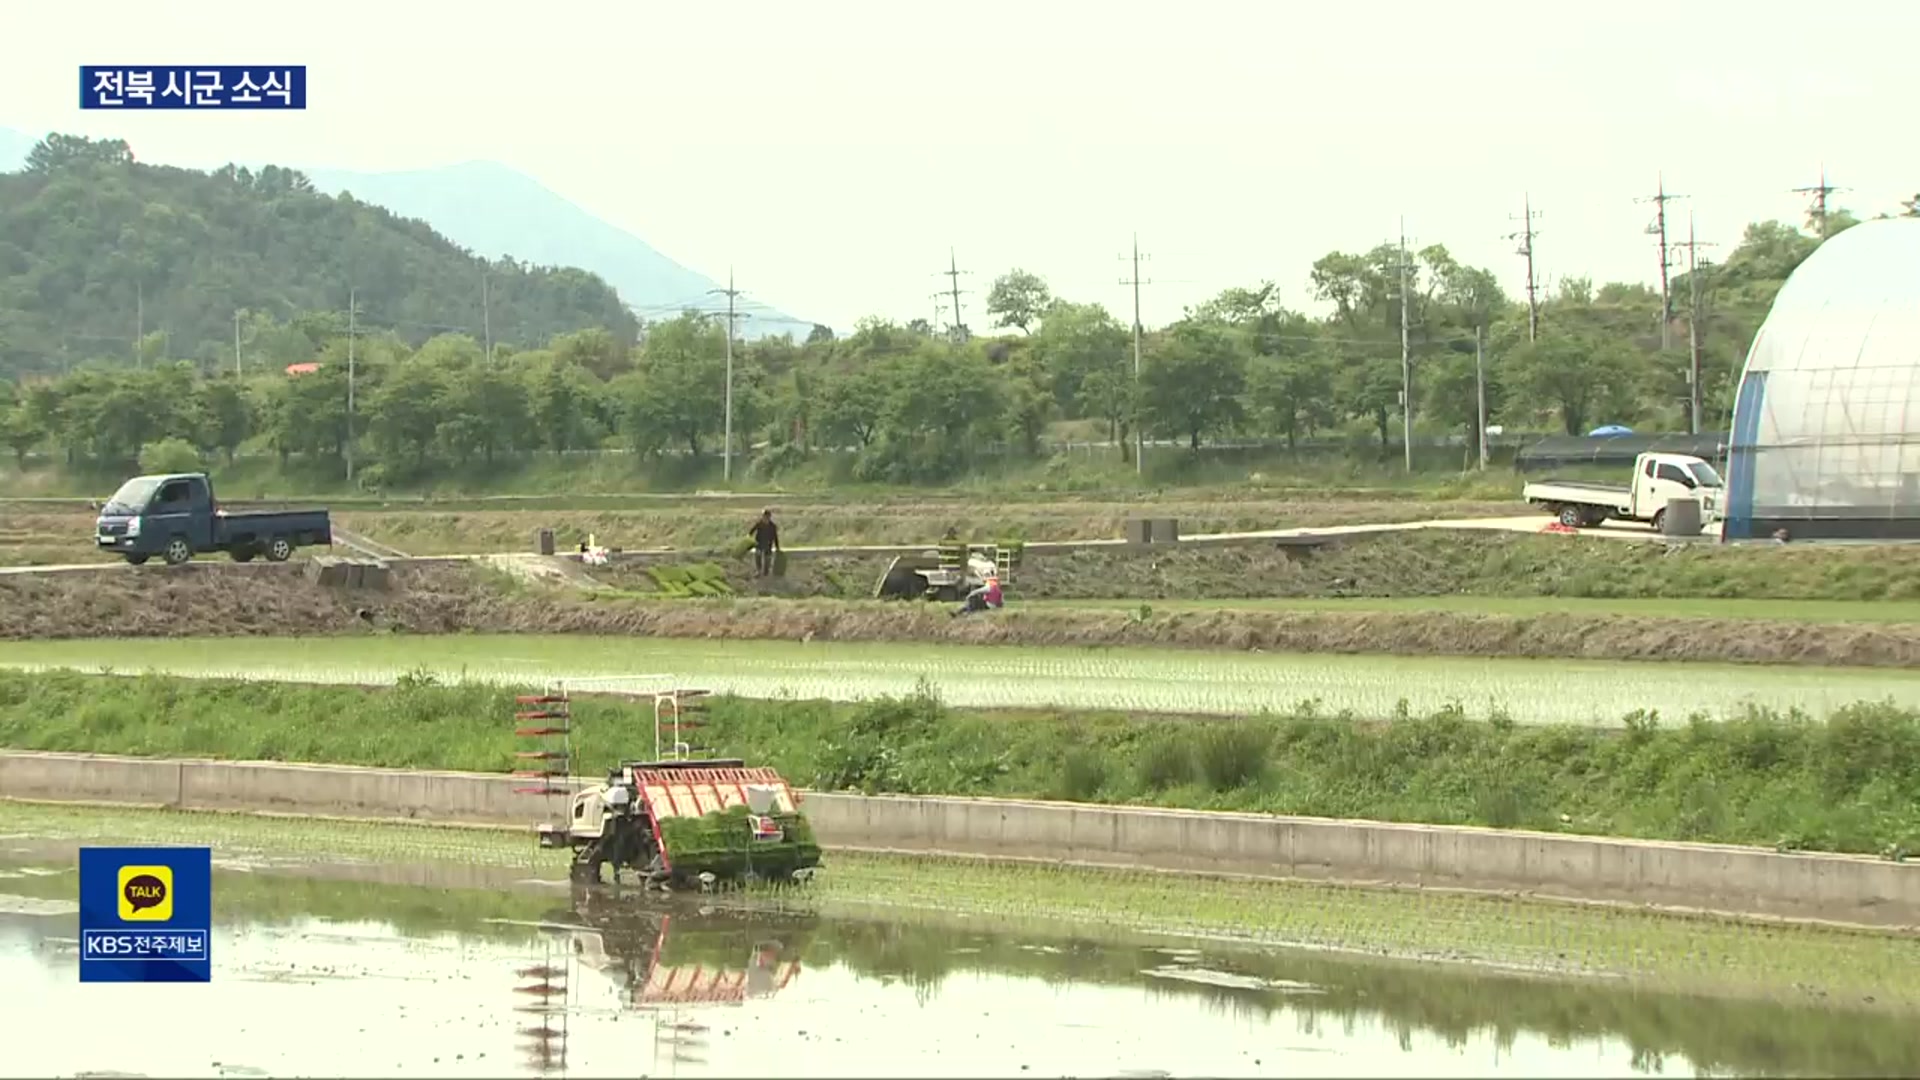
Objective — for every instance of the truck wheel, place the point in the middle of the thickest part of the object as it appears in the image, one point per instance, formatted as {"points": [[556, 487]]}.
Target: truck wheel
{"points": [[178, 551], [242, 554], [137, 560], [1660, 520], [1572, 517], [279, 549]]}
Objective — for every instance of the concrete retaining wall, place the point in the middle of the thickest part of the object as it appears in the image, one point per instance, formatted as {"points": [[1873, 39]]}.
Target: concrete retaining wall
{"points": [[1732, 880]]}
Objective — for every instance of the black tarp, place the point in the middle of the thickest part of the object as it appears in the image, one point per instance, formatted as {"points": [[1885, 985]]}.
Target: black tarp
{"points": [[1564, 451]]}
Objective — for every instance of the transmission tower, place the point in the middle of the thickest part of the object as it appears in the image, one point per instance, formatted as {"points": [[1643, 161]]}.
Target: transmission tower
{"points": [[1817, 210], [1525, 237], [952, 274]]}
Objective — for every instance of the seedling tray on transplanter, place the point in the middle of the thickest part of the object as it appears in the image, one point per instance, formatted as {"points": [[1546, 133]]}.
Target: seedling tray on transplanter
{"points": [[722, 843]]}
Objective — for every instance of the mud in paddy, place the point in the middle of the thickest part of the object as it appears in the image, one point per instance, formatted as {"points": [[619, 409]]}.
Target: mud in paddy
{"points": [[647, 987], [323, 968]]}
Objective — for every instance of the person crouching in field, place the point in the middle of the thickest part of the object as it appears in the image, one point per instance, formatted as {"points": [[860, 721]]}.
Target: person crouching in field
{"points": [[982, 598], [766, 541]]}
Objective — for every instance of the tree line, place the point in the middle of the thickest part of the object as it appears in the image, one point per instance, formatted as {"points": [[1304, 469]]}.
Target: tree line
{"points": [[913, 405]]}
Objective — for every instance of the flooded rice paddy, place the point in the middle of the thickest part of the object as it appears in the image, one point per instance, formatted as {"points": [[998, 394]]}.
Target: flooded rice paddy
{"points": [[1535, 691], [351, 967]]}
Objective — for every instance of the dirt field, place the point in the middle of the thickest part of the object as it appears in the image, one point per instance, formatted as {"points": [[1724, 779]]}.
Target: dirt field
{"points": [[220, 600]]}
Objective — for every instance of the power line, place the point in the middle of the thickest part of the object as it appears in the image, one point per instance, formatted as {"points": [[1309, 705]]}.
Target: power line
{"points": [[1818, 210], [1660, 199], [1693, 326], [732, 294], [1525, 236], [1139, 428]]}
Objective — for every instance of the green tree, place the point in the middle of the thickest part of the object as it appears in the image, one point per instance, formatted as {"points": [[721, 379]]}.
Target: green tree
{"points": [[683, 369], [1018, 298], [169, 456], [405, 412], [1075, 343], [486, 412], [227, 416], [1192, 385], [851, 405], [1579, 378], [57, 152], [19, 429]]}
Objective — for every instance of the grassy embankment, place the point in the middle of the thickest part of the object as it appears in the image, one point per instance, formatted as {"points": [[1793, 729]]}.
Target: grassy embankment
{"points": [[1851, 784], [925, 919]]}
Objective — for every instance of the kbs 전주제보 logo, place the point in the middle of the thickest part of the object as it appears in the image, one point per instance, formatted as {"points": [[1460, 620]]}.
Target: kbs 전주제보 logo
{"points": [[146, 914]]}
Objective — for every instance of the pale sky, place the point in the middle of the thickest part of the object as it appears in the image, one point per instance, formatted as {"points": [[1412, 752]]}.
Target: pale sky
{"points": [[832, 151]]}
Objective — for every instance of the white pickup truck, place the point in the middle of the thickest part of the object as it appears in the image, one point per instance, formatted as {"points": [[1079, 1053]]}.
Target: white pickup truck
{"points": [[1657, 480]]}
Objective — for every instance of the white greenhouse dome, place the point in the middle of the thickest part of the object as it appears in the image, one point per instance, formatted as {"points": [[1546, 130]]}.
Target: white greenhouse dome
{"points": [[1826, 423]]}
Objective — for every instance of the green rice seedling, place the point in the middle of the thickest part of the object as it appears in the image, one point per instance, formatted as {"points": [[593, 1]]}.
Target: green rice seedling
{"points": [[722, 843], [1131, 679]]}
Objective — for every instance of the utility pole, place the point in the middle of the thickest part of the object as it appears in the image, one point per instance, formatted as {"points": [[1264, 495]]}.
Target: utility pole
{"points": [[726, 453], [952, 274], [1139, 429], [1525, 236], [236, 343], [1693, 327], [1660, 199], [1818, 211], [353, 311], [486, 311], [1406, 355], [1480, 376]]}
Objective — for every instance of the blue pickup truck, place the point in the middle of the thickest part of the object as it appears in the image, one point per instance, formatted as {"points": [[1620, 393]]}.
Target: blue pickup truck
{"points": [[176, 517]]}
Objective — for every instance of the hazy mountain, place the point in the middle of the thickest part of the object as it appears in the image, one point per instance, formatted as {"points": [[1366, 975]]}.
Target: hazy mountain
{"points": [[13, 149], [496, 211]]}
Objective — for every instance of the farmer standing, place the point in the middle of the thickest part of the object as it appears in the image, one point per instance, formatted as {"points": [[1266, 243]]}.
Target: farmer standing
{"points": [[766, 541]]}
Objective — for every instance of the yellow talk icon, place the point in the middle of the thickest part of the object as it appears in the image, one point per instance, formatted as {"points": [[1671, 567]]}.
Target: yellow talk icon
{"points": [[146, 893]]}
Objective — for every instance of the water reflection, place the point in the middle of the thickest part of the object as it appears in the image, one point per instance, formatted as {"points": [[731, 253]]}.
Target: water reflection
{"points": [[662, 960], [363, 978]]}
